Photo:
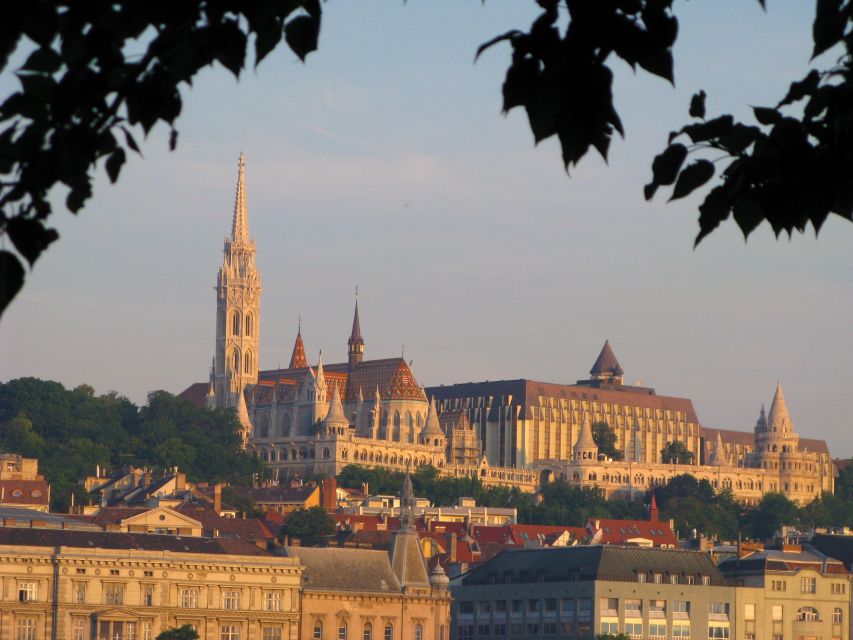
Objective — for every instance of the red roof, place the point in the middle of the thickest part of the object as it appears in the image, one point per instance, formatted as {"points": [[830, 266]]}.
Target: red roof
{"points": [[622, 531], [20, 492]]}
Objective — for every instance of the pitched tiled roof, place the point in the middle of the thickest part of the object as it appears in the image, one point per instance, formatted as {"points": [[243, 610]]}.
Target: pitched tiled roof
{"points": [[21, 492], [332, 569], [619, 532], [278, 494], [729, 436], [526, 393], [111, 540], [595, 562], [521, 533], [392, 375], [298, 359], [606, 363], [249, 529], [196, 394], [778, 560]]}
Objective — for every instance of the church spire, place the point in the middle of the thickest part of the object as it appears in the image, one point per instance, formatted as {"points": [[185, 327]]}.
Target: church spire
{"points": [[355, 342], [298, 359], [240, 224], [779, 419]]}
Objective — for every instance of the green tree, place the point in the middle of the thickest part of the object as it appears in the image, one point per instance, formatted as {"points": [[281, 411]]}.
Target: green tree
{"points": [[613, 636], [312, 527], [186, 632], [605, 439], [772, 511], [96, 73], [676, 453]]}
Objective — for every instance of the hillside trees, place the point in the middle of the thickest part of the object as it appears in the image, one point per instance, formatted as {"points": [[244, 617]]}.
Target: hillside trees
{"points": [[73, 431], [97, 74], [605, 440]]}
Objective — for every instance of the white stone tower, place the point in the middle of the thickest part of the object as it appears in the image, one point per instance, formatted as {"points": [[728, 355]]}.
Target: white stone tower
{"points": [[238, 311]]}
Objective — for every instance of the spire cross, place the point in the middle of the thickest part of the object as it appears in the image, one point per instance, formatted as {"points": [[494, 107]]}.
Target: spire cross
{"points": [[299, 323], [356, 292]]}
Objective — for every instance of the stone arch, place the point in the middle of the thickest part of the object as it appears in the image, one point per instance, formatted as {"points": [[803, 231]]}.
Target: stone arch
{"points": [[546, 477]]}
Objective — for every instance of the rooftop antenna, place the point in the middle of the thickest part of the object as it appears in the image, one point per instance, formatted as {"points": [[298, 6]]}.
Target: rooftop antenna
{"points": [[403, 352]]}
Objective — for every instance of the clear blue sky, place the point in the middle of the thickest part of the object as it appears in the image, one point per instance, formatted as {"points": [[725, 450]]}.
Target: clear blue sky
{"points": [[384, 162]]}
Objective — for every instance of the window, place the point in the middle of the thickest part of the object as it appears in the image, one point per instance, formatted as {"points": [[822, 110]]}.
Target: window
{"points": [[148, 595], [567, 606], [719, 608], [838, 588], [466, 631], [114, 572], [389, 632], [532, 606], [837, 616], [248, 365], [680, 631], [25, 629], [248, 324], [342, 631], [78, 629], [658, 578], [148, 574], [419, 632], [657, 629], [80, 572], [146, 630], [485, 608], [749, 612], [467, 608], [236, 366], [673, 578], [689, 579], [719, 632], [550, 604], [608, 604], [500, 606], [80, 592], [230, 599], [657, 608], [633, 608], [367, 632], [681, 606], [229, 632], [235, 324], [609, 627], [271, 633], [550, 629], [706, 581], [28, 591], [113, 593], [779, 585], [116, 630], [641, 577], [807, 614], [518, 606], [272, 601], [318, 630], [532, 629], [634, 628], [808, 585], [585, 608], [189, 598]]}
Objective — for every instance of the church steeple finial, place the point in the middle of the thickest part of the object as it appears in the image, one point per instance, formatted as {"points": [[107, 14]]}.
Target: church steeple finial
{"points": [[355, 342], [240, 224], [297, 358]]}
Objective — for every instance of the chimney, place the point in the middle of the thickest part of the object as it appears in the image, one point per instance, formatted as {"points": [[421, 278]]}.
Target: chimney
{"points": [[217, 497], [365, 489], [328, 494], [452, 549]]}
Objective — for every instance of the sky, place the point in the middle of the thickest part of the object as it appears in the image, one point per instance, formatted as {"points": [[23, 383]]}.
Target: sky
{"points": [[384, 162]]}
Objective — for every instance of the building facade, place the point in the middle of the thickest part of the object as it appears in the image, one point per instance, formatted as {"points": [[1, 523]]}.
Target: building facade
{"points": [[84, 585], [577, 593]]}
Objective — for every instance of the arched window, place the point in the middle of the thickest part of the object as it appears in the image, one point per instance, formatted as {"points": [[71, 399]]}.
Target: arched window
{"points": [[419, 632], [342, 630], [248, 359], [235, 324], [389, 632], [807, 614], [248, 324], [367, 634], [318, 630], [325, 453], [236, 366], [409, 420]]}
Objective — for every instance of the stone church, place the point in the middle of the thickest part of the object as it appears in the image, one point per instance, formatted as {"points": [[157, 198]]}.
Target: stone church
{"points": [[316, 418]]}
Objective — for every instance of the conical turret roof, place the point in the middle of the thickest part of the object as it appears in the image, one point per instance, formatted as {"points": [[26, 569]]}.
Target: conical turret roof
{"points": [[606, 364], [355, 334], [335, 417], [298, 359], [779, 416], [432, 428], [585, 440]]}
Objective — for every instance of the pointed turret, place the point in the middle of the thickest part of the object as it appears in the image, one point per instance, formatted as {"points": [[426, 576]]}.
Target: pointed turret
{"points": [[298, 359], [240, 224], [432, 433], [719, 457], [355, 342], [321, 377], [585, 447], [779, 419], [407, 558], [243, 416], [761, 423], [335, 418], [606, 366], [654, 514]]}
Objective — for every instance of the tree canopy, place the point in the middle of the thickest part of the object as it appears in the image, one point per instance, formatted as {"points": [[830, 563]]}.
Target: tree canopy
{"points": [[72, 431], [97, 74], [186, 632], [676, 453], [605, 440], [312, 527]]}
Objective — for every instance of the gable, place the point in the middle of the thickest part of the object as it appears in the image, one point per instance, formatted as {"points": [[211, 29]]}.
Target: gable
{"points": [[161, 517]]}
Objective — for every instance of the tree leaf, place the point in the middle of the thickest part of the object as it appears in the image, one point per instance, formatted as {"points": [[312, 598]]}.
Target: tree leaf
{"points": [[710, 129], [302, 34], [767, 115], [666, 165], [114, 162], [747, 212], [30, 237], [828, 26], [128, 138], [43, 59], [739, 137], [801, 88], [693, 176], [697, 105], [509, 35], [11, 278]]}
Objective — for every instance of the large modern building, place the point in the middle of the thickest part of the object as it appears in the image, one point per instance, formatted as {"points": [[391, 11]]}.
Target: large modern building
{"points": [[546, 427], [583, 591]]}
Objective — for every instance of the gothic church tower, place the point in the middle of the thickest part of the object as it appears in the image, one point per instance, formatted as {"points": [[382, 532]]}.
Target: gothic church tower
{"points": [[238, 312]]}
